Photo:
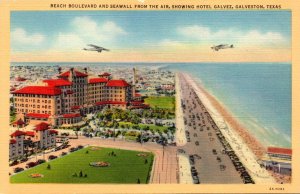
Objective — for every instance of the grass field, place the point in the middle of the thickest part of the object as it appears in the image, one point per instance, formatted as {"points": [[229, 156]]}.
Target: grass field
{"points": [[167, 102], [126, 167], [151, 126]]}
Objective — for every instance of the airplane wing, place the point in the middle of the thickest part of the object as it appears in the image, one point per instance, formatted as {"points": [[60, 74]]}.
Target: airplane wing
{"points": [[95, 46]]}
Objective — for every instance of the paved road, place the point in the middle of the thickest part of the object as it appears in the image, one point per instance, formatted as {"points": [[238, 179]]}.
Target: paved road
{"points": [[211, 163]]}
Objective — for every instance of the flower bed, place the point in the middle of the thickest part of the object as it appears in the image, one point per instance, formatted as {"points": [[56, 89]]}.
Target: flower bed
{"points": [[36, 175], [142, 155], [100, 164], [95, 148]]}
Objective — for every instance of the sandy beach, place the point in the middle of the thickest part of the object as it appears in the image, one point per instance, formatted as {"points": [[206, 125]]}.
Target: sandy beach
{"points": [[246, 147]]}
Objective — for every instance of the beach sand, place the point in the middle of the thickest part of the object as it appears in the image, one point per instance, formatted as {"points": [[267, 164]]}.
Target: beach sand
{"points": [[246, 147]]}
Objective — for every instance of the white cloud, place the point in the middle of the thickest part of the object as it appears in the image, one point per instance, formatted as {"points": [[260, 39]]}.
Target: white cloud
{"points": [[253, 37], [84, 31], [20, 36]]}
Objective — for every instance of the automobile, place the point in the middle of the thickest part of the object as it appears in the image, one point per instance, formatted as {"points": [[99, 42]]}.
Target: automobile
{"points": [[57, 148], [18, 169], [196, 181], [52, 157], [188, 139], [197, 143], [30, 164], [40, 161], [63, 153], [194, 173], [24, 160], [15, 162], [73, 149], [80, 147], [214, 151]]}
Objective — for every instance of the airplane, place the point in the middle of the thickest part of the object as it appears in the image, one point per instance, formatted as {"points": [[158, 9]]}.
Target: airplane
{"points": [[221, 46], [99, 49]]}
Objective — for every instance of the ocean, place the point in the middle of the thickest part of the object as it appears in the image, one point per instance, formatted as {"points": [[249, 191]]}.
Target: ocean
{"points": [[257, 94]]}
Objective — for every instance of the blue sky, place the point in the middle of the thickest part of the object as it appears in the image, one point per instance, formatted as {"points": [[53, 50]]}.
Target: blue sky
{"points": [[148, 31]]}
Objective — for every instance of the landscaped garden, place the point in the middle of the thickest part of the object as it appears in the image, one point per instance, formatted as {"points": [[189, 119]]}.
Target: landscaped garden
{"points": [[92, 165]]}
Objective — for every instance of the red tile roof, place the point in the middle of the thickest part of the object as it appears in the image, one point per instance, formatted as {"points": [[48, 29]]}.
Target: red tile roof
{"points": [[12, 141], [42, 126], [77, 74], [117, 83], [30, 133], [110, 102], [17, 133], [19, 122], [71, 115], [105, 74], [43, 90], [57, 82], [53, 132], [98, 80], [37, 115], [137, 95], [276, 150]]}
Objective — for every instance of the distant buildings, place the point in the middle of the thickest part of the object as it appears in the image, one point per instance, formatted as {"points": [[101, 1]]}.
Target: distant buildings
{"points": [[23, 142], [73, 94]]}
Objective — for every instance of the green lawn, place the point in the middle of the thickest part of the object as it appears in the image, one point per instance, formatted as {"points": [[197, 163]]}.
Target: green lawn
{"points": [[167, 102], [125, 167], [151, 126]]}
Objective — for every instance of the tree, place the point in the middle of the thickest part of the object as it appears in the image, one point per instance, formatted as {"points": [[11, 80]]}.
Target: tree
{"points": [[138, 181], [146, 161], [49, 167], [80, 173]]}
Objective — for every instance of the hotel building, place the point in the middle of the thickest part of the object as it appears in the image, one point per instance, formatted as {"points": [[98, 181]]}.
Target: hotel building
{"points": [[63, 101], [21, 142]]}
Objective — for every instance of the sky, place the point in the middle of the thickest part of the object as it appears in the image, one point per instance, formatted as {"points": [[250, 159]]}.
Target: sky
{"points": [[150, 36]]}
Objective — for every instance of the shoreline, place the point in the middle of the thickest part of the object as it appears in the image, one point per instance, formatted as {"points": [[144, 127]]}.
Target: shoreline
{"points": [[247, 148]]}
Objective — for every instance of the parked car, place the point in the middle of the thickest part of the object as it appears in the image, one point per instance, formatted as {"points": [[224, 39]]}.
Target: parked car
{"points": [[73, 149], [80, 147], [24, 160], [63, 153], [40, 161], [18, 169], [52, 157], [30, 164], [15, 162]]}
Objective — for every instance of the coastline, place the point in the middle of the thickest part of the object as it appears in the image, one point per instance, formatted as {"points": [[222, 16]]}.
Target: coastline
{"points": [[247, 148]]}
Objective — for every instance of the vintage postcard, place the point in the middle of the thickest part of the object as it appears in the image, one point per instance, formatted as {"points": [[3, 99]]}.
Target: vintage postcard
{"points": [[144, 96]]}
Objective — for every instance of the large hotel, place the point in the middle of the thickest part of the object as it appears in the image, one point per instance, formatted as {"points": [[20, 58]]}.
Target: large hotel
{"points": [[63, 101]]}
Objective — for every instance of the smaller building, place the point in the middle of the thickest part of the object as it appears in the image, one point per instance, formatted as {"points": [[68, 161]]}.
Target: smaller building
{"points": [[39, 138], [278, 160]]}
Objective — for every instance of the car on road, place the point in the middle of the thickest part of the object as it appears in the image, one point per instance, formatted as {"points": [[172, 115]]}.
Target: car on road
{"points": [[73, 149], [24, 160], [197, 143], [80, 147], [30, 164], [40, 161], [18, 169], [15, 162], [52, 157], [63, 153]]}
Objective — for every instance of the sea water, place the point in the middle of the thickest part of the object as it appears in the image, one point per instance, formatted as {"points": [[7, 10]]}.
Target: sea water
{"points": [[258, 95]]}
